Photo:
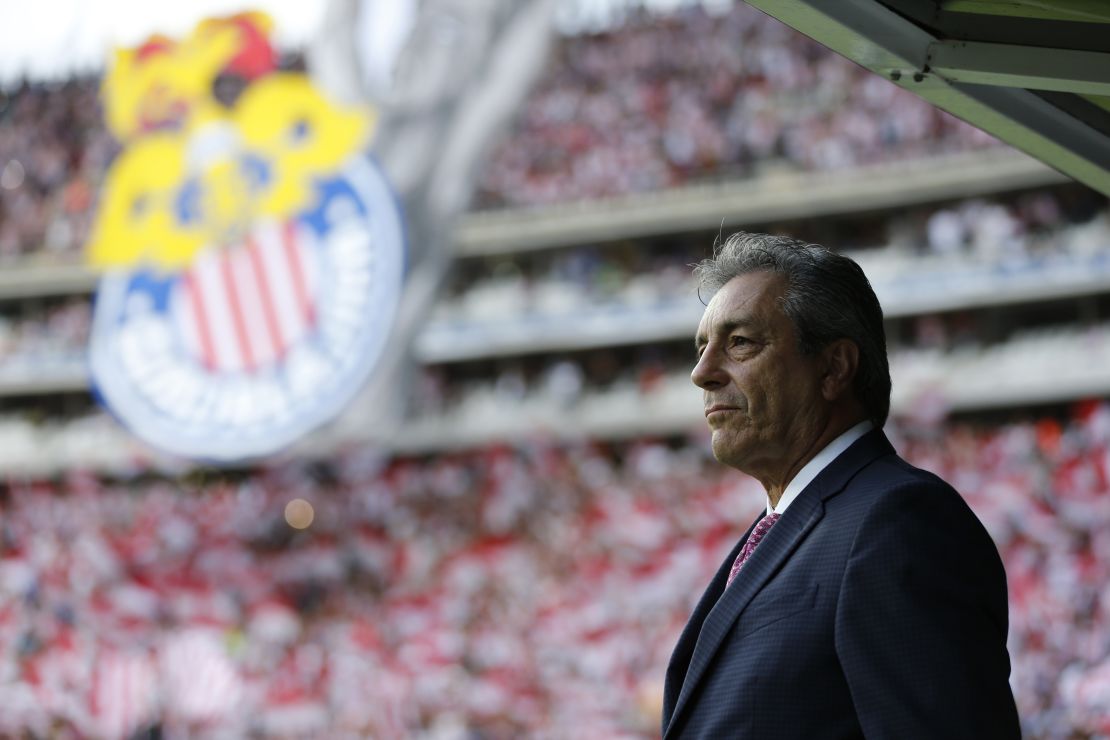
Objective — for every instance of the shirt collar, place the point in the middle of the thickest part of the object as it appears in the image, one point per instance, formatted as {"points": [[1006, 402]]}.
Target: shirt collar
{"points": [[819, 462]]}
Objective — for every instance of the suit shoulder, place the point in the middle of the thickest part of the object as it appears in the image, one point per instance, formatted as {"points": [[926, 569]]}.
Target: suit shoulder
{"points": [[891, 475], [898, 469], [890, 484]]}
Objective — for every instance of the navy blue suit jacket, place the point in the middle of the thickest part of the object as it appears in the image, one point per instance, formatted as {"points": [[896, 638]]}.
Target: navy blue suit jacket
{"points": [[875, 607]]}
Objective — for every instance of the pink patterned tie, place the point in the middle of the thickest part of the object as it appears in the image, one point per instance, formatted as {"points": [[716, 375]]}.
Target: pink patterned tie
{"points": [[761, 529]]}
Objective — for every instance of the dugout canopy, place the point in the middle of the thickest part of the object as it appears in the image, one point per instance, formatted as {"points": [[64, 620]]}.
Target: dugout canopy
{"points": [[1033, 73]]}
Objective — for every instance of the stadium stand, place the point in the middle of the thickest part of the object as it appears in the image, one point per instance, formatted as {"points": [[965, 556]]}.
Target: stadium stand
{"points": [[519, 560], [651, 105], [507, 590]]}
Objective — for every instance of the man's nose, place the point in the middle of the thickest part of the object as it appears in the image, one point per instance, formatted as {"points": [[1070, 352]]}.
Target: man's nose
{"points": [[707, 373]]}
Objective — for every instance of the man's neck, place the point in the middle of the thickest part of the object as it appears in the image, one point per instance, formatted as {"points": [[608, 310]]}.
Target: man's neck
{"points": [[776, 487]]}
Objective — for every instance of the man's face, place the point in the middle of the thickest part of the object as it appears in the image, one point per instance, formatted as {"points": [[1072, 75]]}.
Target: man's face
{"points": [[763, 400]]}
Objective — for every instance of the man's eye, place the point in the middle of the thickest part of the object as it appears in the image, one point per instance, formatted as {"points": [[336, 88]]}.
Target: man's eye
{"points": [[739, 341]]}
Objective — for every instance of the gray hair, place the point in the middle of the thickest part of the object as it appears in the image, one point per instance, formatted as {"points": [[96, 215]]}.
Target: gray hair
{"points": [[827, 297]]}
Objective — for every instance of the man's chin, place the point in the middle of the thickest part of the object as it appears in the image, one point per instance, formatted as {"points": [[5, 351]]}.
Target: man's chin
{"points": [[727, 448]]}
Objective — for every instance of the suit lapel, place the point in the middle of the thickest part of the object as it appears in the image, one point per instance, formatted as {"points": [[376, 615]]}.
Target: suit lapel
{"points": [[773, 550], [719, 614], [678, 668]]}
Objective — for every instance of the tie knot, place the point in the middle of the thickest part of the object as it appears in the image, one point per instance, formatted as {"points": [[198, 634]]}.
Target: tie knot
{"points": [[766, 523]]}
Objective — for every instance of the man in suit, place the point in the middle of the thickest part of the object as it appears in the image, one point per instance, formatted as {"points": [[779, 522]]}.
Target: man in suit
{"points": [[868, 601]]}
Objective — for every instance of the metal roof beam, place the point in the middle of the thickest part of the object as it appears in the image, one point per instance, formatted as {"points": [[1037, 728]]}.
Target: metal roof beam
{"points": [[876, 37], [1031, 67]]}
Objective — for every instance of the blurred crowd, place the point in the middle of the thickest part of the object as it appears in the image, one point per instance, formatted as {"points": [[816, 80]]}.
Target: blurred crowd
{"points": [[659, 101], [38, 341], [649, 105], [534, 589], [54, 151], [505, 592]]}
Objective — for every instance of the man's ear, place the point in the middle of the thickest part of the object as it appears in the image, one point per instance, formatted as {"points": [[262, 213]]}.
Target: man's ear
{"points": [[841, 360]]}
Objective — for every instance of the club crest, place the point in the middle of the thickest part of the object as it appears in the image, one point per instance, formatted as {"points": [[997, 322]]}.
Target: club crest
{"points": [[252, 252]]}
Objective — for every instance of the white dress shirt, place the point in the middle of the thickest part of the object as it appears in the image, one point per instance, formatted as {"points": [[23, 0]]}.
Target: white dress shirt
{"points": [[819, 462]]}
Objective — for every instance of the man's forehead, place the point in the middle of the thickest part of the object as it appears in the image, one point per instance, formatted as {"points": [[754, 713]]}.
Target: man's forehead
{"points": [[748, 298]]}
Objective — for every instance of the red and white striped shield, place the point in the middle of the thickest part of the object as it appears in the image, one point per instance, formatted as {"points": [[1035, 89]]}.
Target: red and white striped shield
{"points": [[241, 309]]}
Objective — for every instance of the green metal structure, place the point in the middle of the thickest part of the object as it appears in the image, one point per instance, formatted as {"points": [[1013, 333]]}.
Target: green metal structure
{"points": [[1033, 73]]}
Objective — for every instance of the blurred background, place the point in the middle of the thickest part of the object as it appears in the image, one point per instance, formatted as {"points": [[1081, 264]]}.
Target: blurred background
{"points": [[505, 534]]}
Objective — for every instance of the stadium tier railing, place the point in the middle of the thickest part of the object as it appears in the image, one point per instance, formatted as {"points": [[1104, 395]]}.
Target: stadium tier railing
{"points": [[1047, 365], [907, 286], [776, 195]]}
